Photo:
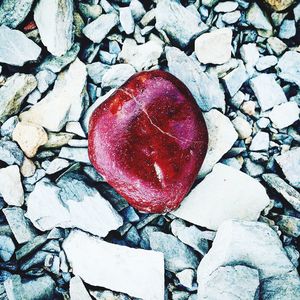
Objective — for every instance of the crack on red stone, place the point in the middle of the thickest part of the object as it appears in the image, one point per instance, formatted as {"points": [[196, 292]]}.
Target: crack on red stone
{"points": [[152, 123]]}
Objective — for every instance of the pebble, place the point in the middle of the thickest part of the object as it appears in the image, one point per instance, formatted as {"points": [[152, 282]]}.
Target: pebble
{"points": [[54, 20], [10, 186], [11, 41], [226, 6], [267, 91], [187, 279], [288, 67], [214, 47], [117, 75], [249, 54], [260, 142], [7, 248], [126, 19], [14, 92], [75, 127], [44, 79], [71, 203], [284, 115], [96, 71], [287, 29], [205, 87], [8, 126], [289, 162], [266, 62], [14, 12], [253, 169], [242, 127], [29, 137], [256, 17], [248, 107], [57, 165], [277, 45], [221, 137], [65, 97], [10, 153], [178, 22], [290, 226], [231, 17], [208, 207], [137, 272], [76, 154], [263, 123], [90, 11], [177, 255], [77, 289], [97, 30], [137, 9]]}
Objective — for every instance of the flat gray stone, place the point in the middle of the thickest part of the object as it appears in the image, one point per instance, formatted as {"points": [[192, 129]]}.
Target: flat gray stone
{"points": [[10, 153], [7, 248]]}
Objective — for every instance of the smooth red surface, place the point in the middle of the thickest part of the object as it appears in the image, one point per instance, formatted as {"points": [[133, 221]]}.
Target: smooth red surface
{"points": [[148, 140]]}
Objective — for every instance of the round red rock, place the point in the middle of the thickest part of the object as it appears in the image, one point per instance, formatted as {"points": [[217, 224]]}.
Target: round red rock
{"points": [[148, 140]]}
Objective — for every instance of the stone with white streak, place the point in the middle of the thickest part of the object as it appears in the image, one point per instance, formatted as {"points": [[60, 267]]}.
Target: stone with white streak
{"points": [[289, 162], [208, 206], [247, 243], [221, 137], [139, 273], [117, 75], [10, 186], [16, 48], [284, 115], [71, 203], [214, 47], [97, 30], [267, 91], [205, 87], [54, 20], [288, 67], [14, 92], [65, 99]]}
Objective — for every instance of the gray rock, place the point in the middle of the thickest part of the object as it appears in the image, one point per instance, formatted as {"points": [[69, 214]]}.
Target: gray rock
{"points": [[266, 62], [137, 9], [252, 168], [180, 24], [90, 11], [297, 12], [287, 29], [187, 279], [256, 17], [97, 30], [15, 48], [71, 203], [96, 71], [260, 142], [252, 244], [77, 289], [10, 153], [117, 75], [205, 87], [8, 126], [288, 67], [20, 226], [293, 254], [284, 115], [277, 45], [178, 256], [7, 248], [285, 190], [286, 286], [235, 79], [290, 226], [54, 20], [77, 154], [44, 79], [14, 12], [234, 283], [267, 91], [126, 19], [289, 162], [14, 92]]}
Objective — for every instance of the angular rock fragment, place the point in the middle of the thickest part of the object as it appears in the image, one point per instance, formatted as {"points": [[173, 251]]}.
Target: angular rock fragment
{"points": [[14, 92], [214, 47], [208, 206], [139, 273], [279, 5], [78, 290], [260, 142], [77, 154], [221, 137], [10, 186], [288, 67], [71, 203], [256, 17], [65, 99], [126, 20], [10, 153], [15, 48], [7, 248], [179, 23], [205, 87]]}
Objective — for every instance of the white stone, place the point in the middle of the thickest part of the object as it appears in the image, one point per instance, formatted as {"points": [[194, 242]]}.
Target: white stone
{"points": [[231, 17], [256, 17], [288, 67], [57, 165], [65, 100], [141, 56], [284, 115], [79, 154], [214, 47], [54, 20], [117, 75], [97, 30], [277, 45], [242, 127], [266, 62], [71, 204], [226, 6], [267, 91], [10, 186], [126, 20], [251, 244], [249, 54], [287, 29], [221, 137], [260, 142], [139, 273], [225, 193], [75, 127], [289, 162], [78, 290], [15, 48]]}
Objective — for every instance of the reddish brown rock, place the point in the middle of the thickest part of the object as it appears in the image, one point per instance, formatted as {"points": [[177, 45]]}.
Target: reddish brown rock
{"points": [[279, 5], [148, 140]]}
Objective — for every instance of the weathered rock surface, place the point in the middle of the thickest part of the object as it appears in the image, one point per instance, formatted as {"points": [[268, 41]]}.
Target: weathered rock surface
{"points": [[139, 273], [208, 206], [279, 5], [288, 67], [10, 153]]}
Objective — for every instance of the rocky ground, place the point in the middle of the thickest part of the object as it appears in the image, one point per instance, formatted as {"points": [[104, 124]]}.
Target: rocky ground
{"points": [[64, 232]]}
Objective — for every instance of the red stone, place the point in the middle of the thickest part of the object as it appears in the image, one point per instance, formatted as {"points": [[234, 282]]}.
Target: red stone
{"points": [[30, 26], [148, 140]]}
